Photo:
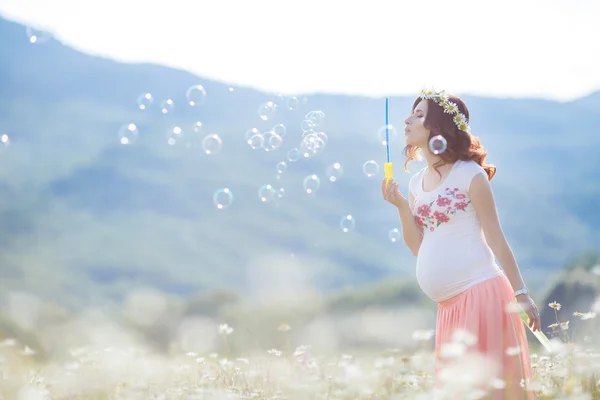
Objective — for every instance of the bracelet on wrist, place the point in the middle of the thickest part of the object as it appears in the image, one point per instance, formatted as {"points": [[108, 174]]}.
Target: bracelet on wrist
{"points": [[523, 290]]}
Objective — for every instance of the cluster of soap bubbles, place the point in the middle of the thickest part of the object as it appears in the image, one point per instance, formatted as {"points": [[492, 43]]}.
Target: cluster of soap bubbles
{"points": [[269, 140], [211, 143], [268, 110], [195, 96], [312, 141], [334, 172]]}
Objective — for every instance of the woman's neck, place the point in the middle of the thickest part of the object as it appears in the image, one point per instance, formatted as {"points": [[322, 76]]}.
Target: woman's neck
{"points": [[431, 158]]}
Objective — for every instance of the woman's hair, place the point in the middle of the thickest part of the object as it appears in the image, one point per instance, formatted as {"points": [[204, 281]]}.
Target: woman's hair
{"points": [[460, 144]]}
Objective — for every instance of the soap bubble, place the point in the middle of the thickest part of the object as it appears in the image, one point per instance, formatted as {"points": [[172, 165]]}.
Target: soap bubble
{"points": [[307, 125], [311, 184], [315, 117], [371, 168], [37, 36], [334, 172], [197, 126], [281, 167], [395, 235], [279, 130], [223, 198], [438, 144], [278, 100], [391, 131], [272, 141], [266, 111], [128, 133], [252, 136], [144, 101], [196, 95], [212, 143], [347, 223], [174, 135], [267, 193], [166, 106], [256, 142], [4, 141], [293, 155], [293, 103]]}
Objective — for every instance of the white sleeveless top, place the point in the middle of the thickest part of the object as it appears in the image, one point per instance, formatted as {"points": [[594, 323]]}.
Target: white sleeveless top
{"points": [[454, 254]]}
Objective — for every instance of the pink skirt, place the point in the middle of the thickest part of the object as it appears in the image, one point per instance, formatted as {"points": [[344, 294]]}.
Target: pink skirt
{"points": [[477, 337]]}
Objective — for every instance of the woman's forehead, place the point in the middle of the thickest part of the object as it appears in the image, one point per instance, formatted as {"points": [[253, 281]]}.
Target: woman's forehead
{"points": [[421, 106]]}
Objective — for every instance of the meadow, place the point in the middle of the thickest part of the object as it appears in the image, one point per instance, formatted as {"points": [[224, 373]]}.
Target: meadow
{"points": [[346, 346]]}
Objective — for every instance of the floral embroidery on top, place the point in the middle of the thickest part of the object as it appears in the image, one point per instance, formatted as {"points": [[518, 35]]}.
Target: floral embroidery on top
{"points": [[451, 203]]}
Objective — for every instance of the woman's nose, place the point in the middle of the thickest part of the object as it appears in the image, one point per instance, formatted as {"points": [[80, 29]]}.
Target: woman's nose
{"points": [[406, 121]]}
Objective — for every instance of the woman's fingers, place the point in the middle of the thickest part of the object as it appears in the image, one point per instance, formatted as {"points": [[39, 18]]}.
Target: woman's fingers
{"points": [[537, 322], [534, 318], [390, 191]]}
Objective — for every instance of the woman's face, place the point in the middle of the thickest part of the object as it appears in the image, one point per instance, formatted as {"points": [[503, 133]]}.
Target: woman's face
{"points": [[415, 132]]}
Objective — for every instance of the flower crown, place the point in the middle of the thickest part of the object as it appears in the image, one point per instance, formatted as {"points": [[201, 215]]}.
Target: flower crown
{"points": [[441, 98]]}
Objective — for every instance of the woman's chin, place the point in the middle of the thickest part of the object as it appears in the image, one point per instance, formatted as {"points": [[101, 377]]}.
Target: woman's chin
{"points": [[410, 142]]}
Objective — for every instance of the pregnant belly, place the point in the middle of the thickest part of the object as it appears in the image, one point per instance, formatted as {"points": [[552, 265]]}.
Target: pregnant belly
{"points": [[443, 273]]}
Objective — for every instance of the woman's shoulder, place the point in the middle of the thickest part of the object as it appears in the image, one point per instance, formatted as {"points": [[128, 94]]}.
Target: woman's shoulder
{"points": [[470, 165], [414, 179], [468, 169], [417, 174]]}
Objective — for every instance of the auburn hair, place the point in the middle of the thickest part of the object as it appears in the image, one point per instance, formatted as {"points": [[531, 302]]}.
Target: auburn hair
{"points": [[460, 144]]}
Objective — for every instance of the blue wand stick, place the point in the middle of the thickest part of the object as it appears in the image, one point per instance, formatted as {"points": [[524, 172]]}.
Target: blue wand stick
{"points": [[388, 167]]}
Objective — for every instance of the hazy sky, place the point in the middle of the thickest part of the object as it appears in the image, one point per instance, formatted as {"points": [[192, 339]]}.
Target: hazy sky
{"points": [[542, 48]]}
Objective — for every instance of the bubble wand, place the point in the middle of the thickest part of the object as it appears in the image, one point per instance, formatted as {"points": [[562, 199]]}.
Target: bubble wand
{"points": [[388, 167], [538, 334]]}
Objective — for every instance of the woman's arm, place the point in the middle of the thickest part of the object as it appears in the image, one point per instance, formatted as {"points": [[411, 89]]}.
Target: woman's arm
{"points": [[411, 233], [484, 204]]}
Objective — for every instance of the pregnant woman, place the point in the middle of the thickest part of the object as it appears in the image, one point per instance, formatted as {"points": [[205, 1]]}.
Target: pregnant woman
{"points": [[449, 221]]}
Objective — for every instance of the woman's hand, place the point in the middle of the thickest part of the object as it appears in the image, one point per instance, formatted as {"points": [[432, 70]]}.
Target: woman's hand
{"points": [[531, 309], [392, 195]]}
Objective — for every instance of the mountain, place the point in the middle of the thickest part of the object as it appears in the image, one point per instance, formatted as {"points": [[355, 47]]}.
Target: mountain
{"points": [[86, 218]]}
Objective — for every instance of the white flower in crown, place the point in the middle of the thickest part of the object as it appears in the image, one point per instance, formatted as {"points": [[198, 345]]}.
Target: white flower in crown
{"points": [[461, 122], [427, 93], [451, 108], [460, 118], [464, 127], [443, 96], [442, 99]]}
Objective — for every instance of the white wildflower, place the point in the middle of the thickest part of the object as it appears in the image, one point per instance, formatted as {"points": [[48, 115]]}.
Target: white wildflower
{"points": [[555, 305], [423, 335], [274, 352], [225, 330]]}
